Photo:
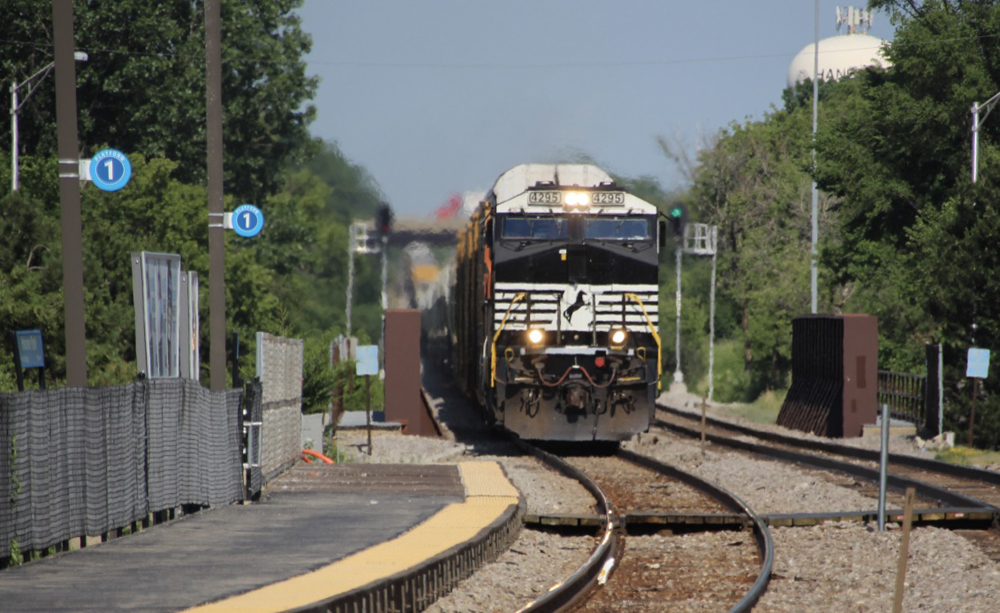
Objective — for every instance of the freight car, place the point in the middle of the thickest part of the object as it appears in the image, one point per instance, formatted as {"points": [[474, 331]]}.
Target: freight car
{"points": [[555, 305]]}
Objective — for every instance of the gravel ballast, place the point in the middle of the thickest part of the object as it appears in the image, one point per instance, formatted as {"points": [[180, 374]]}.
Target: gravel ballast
{"points": [[836, 566]]}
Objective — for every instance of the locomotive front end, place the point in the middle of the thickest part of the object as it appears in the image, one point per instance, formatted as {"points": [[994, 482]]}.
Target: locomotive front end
{"points": [[571, 349], [577, 390]]}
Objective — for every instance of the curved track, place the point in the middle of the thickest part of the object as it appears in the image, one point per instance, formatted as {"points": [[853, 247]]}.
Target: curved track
{"points": [[575, 588], [608, 555]]}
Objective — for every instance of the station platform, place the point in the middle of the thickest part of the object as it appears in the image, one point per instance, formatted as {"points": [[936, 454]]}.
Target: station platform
{"points": [[320, 532]]}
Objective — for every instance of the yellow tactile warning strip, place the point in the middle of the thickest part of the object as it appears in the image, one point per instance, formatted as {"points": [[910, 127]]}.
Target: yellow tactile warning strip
{"points": [[488, 496], [485, 479]]}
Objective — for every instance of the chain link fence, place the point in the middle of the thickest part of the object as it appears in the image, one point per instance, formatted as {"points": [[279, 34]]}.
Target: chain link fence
{"points": [[279, 368]]}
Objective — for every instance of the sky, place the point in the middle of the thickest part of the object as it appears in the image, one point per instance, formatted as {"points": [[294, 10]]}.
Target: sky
{"points": [[438, 97]]}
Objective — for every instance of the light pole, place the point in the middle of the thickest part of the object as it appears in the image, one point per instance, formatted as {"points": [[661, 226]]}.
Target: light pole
{"points": [[16, 104], [988, 105]]}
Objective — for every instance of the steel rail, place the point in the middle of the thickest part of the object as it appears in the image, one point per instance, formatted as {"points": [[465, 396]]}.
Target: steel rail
{"points": [[955, 470], [762, 533], [567, 594], [900, 483]]}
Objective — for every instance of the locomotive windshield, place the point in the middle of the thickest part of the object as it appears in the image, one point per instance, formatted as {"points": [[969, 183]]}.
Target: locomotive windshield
{"points": [[616, 228], [534, 228]]}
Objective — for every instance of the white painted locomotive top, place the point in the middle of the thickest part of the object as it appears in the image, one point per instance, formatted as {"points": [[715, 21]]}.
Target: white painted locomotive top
{"points": [[510, 192]]}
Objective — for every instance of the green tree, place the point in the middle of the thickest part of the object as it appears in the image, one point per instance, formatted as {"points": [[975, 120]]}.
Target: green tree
{"points": [[307, 239], [143, 88], [754, 186], [916, 238], [154, 213]]}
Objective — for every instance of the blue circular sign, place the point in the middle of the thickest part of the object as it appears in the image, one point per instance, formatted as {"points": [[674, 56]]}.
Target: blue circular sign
{"points": [[110, 170], [248, 220]]}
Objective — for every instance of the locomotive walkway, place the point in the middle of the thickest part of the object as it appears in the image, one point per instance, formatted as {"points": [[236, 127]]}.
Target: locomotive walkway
{"points": [[319, 531]]}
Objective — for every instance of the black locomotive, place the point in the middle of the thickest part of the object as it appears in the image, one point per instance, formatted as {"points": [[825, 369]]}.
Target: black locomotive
{"points": [[555, 305]]}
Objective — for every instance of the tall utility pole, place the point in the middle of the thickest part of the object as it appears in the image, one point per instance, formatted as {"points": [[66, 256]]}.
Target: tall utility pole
{"points": [[678, 374], [69, 193], [814, 208], [383, 225], [351, 247], [216, 233]]}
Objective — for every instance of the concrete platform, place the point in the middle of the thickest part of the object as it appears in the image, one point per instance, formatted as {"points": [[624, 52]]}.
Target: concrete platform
{"points": [[311, 518]]}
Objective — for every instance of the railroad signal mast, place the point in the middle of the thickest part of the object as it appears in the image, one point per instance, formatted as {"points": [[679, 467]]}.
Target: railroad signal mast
{"points": [[361, 241], [677, 214], [693, 239]]}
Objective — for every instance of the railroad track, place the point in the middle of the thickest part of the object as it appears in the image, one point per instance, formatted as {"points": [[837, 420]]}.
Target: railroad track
{"points": [[948, 495], [639, 498]]}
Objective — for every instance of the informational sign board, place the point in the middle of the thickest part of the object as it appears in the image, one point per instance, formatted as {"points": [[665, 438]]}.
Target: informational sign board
{"points": [[30, 349], [156, 293], [110, 170], [367, 360], [979, 363], [189, 323], [248, 221]]}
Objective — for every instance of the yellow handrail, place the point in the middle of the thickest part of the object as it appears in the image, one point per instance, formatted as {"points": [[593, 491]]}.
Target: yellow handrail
{"points": [[493, 349], [656, 336]]}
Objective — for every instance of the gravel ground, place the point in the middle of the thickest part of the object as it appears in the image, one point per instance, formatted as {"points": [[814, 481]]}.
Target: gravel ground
{"points": [[831, 567]]}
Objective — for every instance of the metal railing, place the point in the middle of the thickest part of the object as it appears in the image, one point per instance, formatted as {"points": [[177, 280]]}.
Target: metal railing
{"points": [[904, 393]]}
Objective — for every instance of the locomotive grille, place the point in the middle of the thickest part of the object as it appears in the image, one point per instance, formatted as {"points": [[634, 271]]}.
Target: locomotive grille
{"points": [[582, 308]]}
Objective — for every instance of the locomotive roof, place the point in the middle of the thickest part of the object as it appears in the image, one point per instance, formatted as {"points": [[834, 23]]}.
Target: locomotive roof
{"points": [[519, 178], [509, 193]]}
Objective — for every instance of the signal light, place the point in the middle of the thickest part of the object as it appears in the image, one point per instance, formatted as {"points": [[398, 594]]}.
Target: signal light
{"points": [[677, 215], [383, 220]]}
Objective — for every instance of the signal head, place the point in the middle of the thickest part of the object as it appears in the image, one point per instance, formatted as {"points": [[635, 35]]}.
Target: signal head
{"points": [[383, 220], [677, 214]]}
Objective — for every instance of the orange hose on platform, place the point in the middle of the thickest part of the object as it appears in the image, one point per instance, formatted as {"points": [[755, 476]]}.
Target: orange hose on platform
{"points": [[316, 454]]}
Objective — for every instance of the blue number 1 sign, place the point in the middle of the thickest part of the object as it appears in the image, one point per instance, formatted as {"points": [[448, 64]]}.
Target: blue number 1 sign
{"points": [[248, 220], [110, 170]]}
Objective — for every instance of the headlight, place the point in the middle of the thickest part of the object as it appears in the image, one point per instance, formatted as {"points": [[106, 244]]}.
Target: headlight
{"points": [[577, 199], [535, 335], [618, 337]]}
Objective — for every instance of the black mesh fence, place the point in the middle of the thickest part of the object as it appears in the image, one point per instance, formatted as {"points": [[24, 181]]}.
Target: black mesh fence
{"points": [[194, 445], [83, 461]]}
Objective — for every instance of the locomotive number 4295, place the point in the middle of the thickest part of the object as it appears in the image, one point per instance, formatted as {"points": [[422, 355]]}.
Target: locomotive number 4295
{"points": [[558, 198], [545, 198], [606, 198]]}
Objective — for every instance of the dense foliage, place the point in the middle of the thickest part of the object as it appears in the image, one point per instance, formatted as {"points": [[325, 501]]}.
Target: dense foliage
{"points": [[142, 88], [919, 242], [146, 64], [904, 234]]}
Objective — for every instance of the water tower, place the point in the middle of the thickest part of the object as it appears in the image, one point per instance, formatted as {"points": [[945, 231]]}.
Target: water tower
{"points": [[842, 54]]}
